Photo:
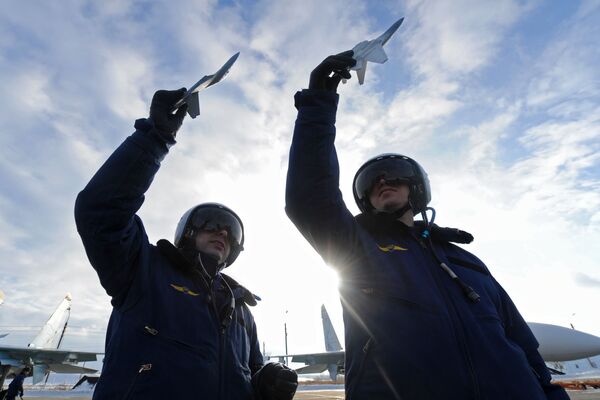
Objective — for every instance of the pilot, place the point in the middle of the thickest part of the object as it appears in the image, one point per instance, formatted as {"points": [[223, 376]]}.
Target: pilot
{"points": [[179, 328], [424, 319]]}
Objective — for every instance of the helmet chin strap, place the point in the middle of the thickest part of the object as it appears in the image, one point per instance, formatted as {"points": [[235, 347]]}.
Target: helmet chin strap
{"points": [[399, 213], [210, 264], [396, 214]]}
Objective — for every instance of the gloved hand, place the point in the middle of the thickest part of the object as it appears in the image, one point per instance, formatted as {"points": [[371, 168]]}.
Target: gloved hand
{"points": [[165, 122], [277, 382], [339, 64]]}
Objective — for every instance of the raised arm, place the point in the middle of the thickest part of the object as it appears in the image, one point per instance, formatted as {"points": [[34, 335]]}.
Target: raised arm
{"points": [[313, 199], [105, 210]]}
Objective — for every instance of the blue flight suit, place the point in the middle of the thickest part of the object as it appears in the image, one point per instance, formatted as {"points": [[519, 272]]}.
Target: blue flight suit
{"points": [[410, 331], [171, 333]]}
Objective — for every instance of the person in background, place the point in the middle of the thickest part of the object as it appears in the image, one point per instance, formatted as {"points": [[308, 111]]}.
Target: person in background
{"points": [[15, 387]]}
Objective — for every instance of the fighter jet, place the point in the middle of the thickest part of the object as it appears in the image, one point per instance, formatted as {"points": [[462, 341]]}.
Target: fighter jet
{"points": [[556, 344], [191, 96], [43, 353], [563, 344], [372, 50]]}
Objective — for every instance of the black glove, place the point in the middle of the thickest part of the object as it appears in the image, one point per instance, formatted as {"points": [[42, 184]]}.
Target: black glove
{"points": [[276, 382], [165, 122], [339, 64]]}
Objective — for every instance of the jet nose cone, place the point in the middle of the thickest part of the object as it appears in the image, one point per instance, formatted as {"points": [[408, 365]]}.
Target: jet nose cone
{"points": [[562, 344]]}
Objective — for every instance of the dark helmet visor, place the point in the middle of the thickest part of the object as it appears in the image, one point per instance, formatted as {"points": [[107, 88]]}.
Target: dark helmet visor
{"points": [[393, 170], [215, 219]]}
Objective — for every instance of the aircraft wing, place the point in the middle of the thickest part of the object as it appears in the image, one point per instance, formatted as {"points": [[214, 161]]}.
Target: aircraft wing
{"points": [[92, 380], [328, 357], [312, 369], [45, 356], [70, 369]]}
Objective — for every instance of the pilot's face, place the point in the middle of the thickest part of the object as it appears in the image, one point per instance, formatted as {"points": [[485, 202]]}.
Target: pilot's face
{"points": [[215, 243], [389, 198]]}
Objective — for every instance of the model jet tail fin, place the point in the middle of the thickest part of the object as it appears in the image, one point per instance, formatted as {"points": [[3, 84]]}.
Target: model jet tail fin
{"points": [[193, 103], [361, 74], [52, 332]]}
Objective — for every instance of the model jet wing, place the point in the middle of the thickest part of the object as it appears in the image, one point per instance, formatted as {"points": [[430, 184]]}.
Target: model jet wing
{"points": [[191, 96], [372, 50]]}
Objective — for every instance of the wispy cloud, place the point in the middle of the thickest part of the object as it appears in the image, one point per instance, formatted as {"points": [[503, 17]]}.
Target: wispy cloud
{"points": [[587, 280], [514, 161]]}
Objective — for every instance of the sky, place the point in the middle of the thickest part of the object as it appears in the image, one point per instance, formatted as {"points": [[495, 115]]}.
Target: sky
{"points": [[498, 100]]}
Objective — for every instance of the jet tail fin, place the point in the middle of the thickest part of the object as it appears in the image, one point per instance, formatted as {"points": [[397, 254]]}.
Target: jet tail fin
{"points": [[193, 105], [360, 73], [331, 340], [53, 330], [39, 373]]}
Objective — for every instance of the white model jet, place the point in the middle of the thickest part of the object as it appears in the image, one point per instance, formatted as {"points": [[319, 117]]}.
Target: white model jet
{"points": [[191, 96], [372, 50]]}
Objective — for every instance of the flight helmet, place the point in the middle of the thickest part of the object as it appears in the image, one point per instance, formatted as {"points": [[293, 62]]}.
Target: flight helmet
{"points": [[211, 216], [395, 169]]}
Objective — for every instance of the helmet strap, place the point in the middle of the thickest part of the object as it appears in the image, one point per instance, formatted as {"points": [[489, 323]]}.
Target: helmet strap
{"points": [[209, 264], [206, 263], [399, 213]]}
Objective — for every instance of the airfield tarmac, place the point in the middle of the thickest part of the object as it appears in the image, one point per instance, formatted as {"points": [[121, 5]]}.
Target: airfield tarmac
{"points": [[329, 394]]}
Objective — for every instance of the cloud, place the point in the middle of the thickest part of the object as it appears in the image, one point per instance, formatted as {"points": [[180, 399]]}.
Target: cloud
{"points": [[515, 162], [566, 72], [587, 280], [457, 38]]}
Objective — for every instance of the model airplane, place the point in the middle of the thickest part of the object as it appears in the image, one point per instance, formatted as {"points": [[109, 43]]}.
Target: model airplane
{"points": [[372, 50], [191, 96], [556, 344], [43, 353]]}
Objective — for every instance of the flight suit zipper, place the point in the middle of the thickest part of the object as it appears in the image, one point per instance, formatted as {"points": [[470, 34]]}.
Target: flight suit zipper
{"points": [[188, 347], [143, 368], [458, 330], [212, 298], [366, 350]]}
